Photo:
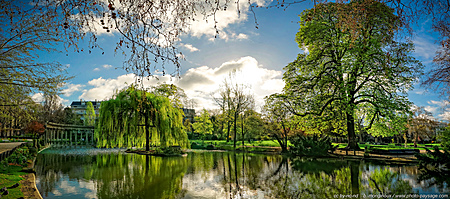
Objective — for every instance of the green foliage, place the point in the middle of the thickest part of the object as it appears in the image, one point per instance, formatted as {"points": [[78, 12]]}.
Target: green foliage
{"points": [[344, 71], [310, 145], [173, 92], [386, 127], [20, 156], [195, 145], [203, 124], [444, 137], [89, 116], [71, 118], [122, 121], [282, 124], [169, 151]]}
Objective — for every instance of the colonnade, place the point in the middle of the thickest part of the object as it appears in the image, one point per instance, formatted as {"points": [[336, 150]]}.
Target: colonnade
{"points": [[68, 135]]}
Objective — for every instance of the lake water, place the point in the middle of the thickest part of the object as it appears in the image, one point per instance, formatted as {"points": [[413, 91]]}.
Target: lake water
{"points": [[102, 173]]}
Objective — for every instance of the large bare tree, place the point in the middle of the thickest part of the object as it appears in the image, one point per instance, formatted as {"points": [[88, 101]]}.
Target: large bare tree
{"points": [[234, 99]]}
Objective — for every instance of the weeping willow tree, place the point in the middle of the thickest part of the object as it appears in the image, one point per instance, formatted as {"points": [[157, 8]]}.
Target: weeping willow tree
{"points": [[134, 117]]}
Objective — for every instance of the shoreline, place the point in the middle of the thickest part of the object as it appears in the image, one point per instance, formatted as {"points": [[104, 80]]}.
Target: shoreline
{"points": [[29, 187]]}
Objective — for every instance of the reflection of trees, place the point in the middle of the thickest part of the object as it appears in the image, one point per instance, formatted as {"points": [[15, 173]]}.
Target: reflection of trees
{"points": [[326, 178], [434, 168], [223, 175], [309, 182], [386, 182], [116, 175]]}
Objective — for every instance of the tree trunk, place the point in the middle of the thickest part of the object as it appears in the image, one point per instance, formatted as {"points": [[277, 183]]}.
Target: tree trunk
{"points": [[406, 137], [285, 141], [242, 128], [283, 145], [228, 131], [354, 177], [235, 130], [147, 134], [416, 139], [352, 144]]}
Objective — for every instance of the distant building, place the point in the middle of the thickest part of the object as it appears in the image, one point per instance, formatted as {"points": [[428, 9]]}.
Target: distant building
{"points": [[189, 114], [79, 107]]}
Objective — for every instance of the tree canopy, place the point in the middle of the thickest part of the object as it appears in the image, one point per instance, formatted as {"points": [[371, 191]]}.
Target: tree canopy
{"points": [[203, 124], [341, 72], [89, 116], [134, 117]]}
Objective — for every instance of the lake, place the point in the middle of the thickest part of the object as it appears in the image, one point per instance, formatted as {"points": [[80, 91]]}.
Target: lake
{"points": [[111, 173]]}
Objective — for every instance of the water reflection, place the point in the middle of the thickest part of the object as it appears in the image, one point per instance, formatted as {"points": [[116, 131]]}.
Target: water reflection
{"points": [[216, 175]]}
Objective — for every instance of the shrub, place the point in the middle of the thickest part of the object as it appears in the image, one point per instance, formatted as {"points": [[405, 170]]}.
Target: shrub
{"points": [[171, 150], [445, 138], [20, 156], [310, 145]]}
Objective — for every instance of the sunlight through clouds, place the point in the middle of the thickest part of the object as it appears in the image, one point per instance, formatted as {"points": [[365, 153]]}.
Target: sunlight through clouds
{"points": [[200, 83]]}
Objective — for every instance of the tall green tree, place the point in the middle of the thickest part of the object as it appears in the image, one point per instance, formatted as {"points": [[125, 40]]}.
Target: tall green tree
{"points": [[203, 124], [342, 71], [284, 122], [173, 92], [134, 117], [253, 125], [89, 116]]}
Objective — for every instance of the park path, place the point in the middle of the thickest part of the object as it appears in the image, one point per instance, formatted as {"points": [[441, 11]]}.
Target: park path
{"points": [[6, 148]]}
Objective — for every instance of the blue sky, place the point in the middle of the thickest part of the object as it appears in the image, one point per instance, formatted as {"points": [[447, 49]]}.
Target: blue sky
{"points": [[260, 54]]}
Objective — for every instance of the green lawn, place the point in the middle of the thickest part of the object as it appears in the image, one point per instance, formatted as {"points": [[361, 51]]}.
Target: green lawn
{"points": [[10, 175], [390, 146], [268, 143], [273, 143]]}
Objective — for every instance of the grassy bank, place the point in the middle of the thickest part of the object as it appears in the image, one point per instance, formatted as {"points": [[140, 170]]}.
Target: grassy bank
{"points": [[254, 146], [267, 143], [390, 146], [13, 168]]}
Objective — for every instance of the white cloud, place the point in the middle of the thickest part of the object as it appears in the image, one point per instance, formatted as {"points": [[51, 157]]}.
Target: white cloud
{"points": [[441, 103], [190, 47], [71, 88], [107, 66], [431, 109], [224, 18], [103, 89], [39, 98], [241, 36], [445, 115], [441, 109], [199, 83]]}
